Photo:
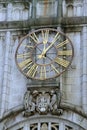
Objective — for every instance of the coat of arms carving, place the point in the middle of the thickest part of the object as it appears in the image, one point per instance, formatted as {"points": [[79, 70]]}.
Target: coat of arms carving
{"points": [[42, 101]]}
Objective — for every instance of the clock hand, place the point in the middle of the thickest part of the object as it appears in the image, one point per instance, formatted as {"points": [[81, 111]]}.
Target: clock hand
{"points": [[53, 41], [42, 55], [45, 50]]}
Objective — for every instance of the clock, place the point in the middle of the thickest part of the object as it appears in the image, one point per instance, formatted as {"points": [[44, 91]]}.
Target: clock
{"points": [[44, 54]]}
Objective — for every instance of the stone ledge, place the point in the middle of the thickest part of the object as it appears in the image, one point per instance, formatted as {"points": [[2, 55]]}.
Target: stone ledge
{"points": [[43, 22], [14, 1]]}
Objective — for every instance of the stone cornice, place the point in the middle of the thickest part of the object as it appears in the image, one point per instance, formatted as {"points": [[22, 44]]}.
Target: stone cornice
{"points": [[14, 1], [43, 22], [74, 21]]}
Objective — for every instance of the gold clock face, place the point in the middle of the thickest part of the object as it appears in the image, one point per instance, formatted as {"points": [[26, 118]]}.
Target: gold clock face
{"points": [[44, 54]]}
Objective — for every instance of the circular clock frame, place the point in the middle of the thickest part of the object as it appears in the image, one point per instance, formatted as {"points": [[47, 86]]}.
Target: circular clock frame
{"points": [[44, 54]]}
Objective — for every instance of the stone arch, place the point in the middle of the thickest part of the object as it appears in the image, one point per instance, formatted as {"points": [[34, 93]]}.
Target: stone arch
{"points": [[70, 10]]}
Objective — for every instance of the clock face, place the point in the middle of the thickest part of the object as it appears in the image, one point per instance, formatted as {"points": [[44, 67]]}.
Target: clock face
{"points": [[44, 54]]}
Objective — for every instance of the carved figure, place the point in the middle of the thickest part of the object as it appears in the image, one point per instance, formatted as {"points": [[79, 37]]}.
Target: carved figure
{"points": [[58, 95], [28, 102], [53, 102]]}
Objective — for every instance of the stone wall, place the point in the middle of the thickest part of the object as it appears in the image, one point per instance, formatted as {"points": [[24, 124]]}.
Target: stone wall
{"points": [[16, 20]]}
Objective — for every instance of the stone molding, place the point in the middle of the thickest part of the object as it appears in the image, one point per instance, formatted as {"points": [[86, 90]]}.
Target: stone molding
{"points": [[50, 22], [16, 1], [65, 106], [79, 120]]}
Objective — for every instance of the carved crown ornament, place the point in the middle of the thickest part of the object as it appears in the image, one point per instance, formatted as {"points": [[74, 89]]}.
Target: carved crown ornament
{"points": [[42, 101]]}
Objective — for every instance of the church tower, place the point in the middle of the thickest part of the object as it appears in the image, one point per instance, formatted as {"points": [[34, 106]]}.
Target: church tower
{"points": [[43, 64]]}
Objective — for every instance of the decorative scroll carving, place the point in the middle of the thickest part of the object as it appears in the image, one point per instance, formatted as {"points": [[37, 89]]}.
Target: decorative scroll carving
{"points": [[42, 101]]}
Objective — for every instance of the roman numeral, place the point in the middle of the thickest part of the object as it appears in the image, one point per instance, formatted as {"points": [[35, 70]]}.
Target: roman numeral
{"points": [[54, 68], [28, 66], [34, 37], [65, 52], [32, 70], [62, 43], [57, 36], [25, 55], [27, 46], [25, 63], [43, 72], [62, 62], [45, 35]]}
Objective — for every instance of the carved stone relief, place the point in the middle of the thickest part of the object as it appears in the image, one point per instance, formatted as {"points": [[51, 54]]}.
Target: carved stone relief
{"points": [[42, 102]]}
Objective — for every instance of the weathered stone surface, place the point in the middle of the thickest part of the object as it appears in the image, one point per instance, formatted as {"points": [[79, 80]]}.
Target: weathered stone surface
{"points": [[17, 19]]}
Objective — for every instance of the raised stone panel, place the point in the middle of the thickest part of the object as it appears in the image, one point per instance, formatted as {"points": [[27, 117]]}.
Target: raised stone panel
{"points": [[46, 8], [84, 69], [21, 11], [2, 12], [18, 81], [72, 8], [15, 11], [71, 78], [78, 8], [64, 10], [2, 54], [67, 7]]}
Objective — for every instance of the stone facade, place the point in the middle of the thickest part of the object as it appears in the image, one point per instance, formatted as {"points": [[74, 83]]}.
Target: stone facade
{"points": [[18, 18]]}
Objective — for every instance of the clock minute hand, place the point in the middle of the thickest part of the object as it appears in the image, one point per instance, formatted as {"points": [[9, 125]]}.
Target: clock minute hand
{"points": [[44, 51], [54, 40]]}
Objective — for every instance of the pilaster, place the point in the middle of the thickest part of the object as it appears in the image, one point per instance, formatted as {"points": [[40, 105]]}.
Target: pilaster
{"points": [[33, 8], [78, 10], [84, 73], [61, 126], [6, 77], [49, 126], [26, 127], [84, 7], [59, 9], [38, 126], [2, 56], [9, 12]]}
